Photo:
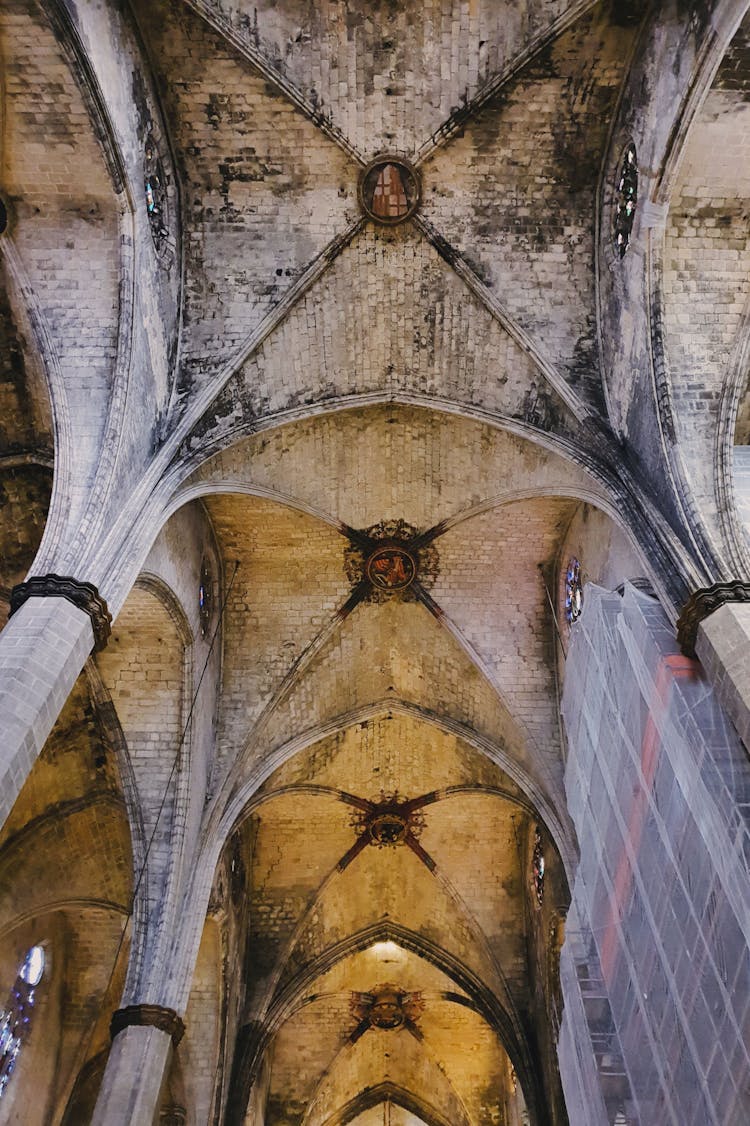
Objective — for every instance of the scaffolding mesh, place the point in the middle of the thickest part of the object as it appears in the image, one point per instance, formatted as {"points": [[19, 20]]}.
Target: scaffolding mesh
{"points": [[658, 786]]}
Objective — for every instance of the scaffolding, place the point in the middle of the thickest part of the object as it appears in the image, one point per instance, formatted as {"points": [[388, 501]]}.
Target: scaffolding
{"points": [[658, 786]]}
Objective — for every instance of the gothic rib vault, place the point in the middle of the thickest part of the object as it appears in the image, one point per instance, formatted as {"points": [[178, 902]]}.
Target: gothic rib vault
{"points": [[327, 472]]}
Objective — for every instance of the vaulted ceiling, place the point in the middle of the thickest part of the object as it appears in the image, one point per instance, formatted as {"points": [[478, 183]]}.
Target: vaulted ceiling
{"points": [[272, 384]]}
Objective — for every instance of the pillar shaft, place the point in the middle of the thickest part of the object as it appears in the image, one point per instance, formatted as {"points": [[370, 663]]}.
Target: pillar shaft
{"points": [[42, 650], [134, 1078], [723, 648]]}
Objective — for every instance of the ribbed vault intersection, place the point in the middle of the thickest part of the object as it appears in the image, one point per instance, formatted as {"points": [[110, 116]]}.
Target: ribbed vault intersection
{"points": [[320, 360]]}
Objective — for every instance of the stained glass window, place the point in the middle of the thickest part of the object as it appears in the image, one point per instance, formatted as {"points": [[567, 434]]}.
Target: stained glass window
{"points": [[156, 197], [625, 200], [15, 1017], [573, 591], [537, 868], [205, 598]]}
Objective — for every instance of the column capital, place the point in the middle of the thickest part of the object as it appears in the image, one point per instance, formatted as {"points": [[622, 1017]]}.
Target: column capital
{"points": [[704, 602], [173, 1115], [83, 595], [156, 1016]]}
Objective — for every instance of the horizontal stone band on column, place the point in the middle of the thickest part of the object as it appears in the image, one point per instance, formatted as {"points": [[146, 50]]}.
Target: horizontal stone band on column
{"points": [[703, 603], [173, 1115], [156, 1016], [83, 595]]}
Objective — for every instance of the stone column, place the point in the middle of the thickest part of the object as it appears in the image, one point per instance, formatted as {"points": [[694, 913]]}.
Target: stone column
{"points": [[144, 1037], [55, 622], [723, 648], [715, 627], [173, 1115]]}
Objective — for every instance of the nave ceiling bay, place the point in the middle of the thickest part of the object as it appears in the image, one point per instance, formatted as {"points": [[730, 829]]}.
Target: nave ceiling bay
{"points": [[383, 756], [375, 765], [280, 298], [413, 737], [382, 442], [308, 636], [399, 947]]}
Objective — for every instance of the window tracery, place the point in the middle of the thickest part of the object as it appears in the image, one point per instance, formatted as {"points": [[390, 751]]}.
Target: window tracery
{"points": [[573, 592], [537, 867], [205, 598], [626, 199], [156, 196], [15, 1016]]}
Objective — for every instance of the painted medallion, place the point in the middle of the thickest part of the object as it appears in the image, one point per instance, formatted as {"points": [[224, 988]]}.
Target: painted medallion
{"points": [[389, 190], [391, 568]]}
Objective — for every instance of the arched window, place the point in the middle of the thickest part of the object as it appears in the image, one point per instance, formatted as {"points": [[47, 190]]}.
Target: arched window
{"points": [[15, 1017], [156, 196], [205, 597], [626, 198], [537, 867], [573, 592]]}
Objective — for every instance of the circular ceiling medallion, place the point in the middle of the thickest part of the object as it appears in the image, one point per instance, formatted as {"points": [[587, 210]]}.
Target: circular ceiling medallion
{"points": [[389, 190], [391, 567], [387, 1011], [387, 829]]}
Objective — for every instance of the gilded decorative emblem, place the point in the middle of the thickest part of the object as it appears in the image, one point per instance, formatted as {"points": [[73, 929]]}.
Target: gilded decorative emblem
{"points": [[388, 1008], [391, 567], [387, 829], [387, 823], [390, 560], [389, 190], [390, 821]]}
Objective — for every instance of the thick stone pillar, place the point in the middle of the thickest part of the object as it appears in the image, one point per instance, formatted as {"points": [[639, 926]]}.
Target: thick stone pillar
{"points": [[715, 627], [723, 648], [42, 650], [144, 1037]]}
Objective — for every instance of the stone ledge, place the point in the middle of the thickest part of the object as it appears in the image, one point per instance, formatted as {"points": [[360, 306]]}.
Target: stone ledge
{"points": [[84, 596], [703, 603], [154, 1016]]}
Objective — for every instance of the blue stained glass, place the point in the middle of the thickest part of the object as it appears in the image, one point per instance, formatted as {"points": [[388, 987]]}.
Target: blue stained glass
{"points": [[15, 1018], [573, 592]]}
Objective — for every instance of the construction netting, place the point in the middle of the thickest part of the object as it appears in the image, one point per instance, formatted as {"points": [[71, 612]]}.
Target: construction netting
{"points": [[656, 967]]}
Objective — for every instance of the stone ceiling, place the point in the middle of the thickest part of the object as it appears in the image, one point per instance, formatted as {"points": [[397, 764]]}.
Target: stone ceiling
{"points": [[282, 385]]}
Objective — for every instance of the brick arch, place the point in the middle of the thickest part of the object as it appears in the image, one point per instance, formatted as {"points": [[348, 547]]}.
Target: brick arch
{"points": [[72, 297], [164, 593], [225, 821], [388, 1092], [256, 1035], [178, 461], [254, 1040]]}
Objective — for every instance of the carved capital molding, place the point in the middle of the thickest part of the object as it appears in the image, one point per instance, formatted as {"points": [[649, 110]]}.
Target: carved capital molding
{"points": [[156, 1016], [702, 604], [83, 595], [173, 1115]]}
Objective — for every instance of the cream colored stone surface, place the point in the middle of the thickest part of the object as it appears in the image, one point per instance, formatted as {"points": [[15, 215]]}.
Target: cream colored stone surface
{"points": [[218, 414]]}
